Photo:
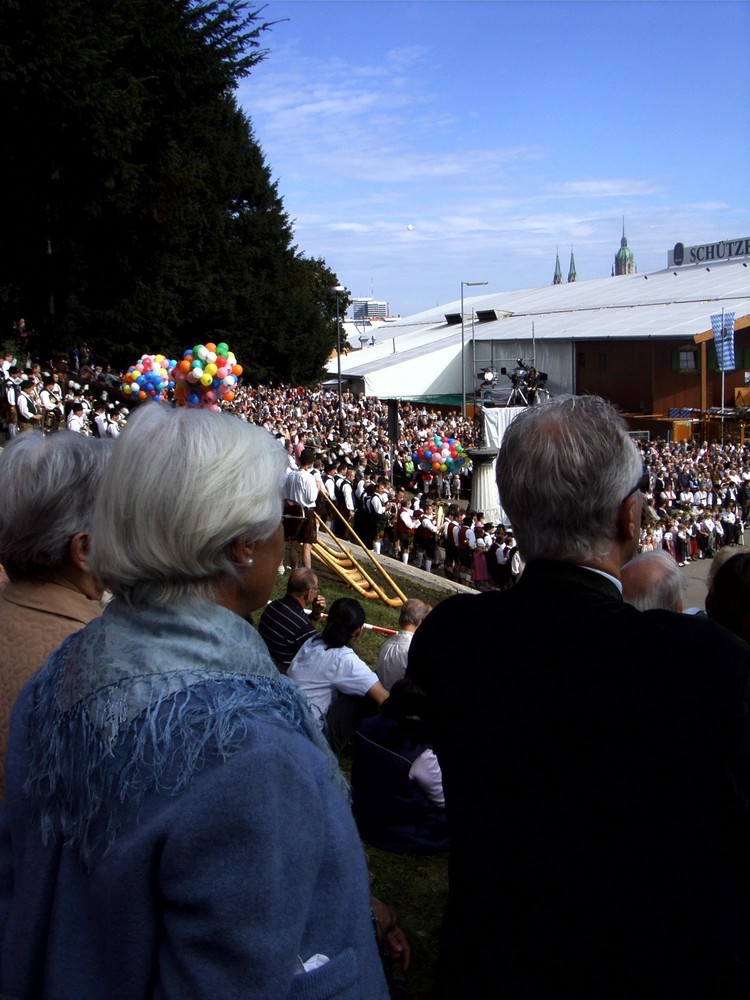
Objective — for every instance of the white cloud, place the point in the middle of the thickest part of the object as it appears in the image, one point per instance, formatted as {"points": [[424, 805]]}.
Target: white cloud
{"points": [[615, 187]]}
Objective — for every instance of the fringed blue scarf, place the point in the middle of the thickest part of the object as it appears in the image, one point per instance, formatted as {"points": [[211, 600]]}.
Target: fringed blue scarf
{"points": [[135, 702]]}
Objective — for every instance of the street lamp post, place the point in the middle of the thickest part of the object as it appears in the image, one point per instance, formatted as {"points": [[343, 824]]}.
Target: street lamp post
{"points": [[338, 289], [466, 284]]}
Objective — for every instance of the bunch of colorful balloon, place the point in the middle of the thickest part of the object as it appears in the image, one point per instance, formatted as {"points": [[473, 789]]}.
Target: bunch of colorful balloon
{"points": [[438, 456], [206, 375], [149, 378]]}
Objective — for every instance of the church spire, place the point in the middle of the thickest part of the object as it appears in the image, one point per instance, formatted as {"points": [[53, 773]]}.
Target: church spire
{"points": [[572, 269], [624, 259], [557, 280]]}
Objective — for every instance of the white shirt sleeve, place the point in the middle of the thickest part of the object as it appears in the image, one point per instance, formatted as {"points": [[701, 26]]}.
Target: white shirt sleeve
{"points": [[353, 676], [426, 772]]}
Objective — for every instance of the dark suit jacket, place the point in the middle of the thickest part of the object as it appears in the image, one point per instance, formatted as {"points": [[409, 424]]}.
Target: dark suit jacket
{"points": [[596, 779]]}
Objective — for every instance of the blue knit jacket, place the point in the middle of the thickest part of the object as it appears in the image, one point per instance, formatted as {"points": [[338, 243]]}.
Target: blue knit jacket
{"points": [[184, 845]]}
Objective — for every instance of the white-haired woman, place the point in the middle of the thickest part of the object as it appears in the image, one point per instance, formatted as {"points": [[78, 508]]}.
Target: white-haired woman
{"points": [[48, 487], [174, 826]]}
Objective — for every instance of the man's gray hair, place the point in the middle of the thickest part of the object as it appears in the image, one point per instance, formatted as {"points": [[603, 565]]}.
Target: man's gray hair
{"points": [[564, 469], [48, 487], [301, 580], [183, 485], [653, 580], [413, 612]]}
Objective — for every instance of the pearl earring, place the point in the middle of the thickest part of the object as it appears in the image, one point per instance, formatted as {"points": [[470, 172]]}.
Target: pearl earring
{"points": [[250, 562]]}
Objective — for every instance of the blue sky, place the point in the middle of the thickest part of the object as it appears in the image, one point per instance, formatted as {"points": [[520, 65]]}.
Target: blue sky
{"points": [[502, 131]]}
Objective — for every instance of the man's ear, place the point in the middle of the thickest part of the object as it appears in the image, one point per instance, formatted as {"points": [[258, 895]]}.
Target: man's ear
{"points": [[629, 519], [78, 549]]}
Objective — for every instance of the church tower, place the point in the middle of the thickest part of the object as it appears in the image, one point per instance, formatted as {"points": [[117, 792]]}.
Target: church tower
{"points": [[572, 269], [624, 259], [557, 280]]}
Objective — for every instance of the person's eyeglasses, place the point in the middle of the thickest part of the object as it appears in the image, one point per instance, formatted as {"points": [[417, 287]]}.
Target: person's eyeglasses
{"points": [[640, 487]]}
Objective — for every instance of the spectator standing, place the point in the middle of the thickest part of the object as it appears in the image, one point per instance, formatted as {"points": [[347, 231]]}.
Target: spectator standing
{"points": [[615, 811], [47, 492], [300, 486], [29, 407], [203, 845], [405, 528], [425, 537]]}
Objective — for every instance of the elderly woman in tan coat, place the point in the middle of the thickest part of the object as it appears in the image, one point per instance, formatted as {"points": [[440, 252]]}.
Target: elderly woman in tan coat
{"points": [[47, 490]]}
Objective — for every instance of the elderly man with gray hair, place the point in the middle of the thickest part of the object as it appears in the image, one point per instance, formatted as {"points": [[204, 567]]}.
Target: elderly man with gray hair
{"points": [[594, 757], [48, 486], [653, 580], [284, 626], [394, 652]]}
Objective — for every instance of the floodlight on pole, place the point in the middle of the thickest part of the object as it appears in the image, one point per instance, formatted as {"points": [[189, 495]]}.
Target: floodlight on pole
{"points": [[338, 290], [465, 284]]}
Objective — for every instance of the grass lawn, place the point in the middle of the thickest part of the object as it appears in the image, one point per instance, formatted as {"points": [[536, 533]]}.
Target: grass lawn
{"points": [[415, 886]]}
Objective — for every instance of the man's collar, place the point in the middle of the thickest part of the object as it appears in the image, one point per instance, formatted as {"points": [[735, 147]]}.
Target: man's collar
{"points": [[571, 574], [607, 576]]}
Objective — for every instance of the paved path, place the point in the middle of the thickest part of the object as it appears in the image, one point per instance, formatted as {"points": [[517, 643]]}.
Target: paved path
{"points": [[695, 574]]}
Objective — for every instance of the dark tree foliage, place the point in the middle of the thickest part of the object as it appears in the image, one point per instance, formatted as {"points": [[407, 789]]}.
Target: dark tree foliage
{"points": [[138, 211]]}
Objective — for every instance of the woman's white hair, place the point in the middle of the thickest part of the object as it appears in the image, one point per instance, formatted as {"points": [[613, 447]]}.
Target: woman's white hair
{"points": [[183, 484], [48, 487], [564, 469]]}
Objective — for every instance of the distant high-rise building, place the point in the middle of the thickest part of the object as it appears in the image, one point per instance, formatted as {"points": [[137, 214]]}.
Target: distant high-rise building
{"points": [[368, 307], [624, 259]]}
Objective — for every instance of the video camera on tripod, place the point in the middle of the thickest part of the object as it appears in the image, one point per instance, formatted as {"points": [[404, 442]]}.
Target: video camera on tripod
{"points": [[528, 386]]}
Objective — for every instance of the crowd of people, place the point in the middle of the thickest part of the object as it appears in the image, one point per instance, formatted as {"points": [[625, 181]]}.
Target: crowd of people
{"points": [[169, 736], [698, 497]]}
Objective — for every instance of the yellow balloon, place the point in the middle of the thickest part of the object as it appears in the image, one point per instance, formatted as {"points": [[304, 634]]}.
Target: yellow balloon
{"points": [[206, 379], [211, 369]]}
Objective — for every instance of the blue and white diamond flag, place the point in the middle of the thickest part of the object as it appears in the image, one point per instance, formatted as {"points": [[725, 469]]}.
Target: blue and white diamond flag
{"points": [[724, 340]]}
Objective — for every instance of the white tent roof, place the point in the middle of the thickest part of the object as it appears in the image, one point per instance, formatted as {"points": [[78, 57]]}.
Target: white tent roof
{"points": [[420, 354]]}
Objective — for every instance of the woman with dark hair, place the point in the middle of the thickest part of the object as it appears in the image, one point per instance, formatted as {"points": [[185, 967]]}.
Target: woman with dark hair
{"points": [[175, 825], [333, 677], [396, 780]]}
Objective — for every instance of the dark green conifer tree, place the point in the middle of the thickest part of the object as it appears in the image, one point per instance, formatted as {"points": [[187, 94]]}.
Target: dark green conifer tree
{"points": [[138, 211]]}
